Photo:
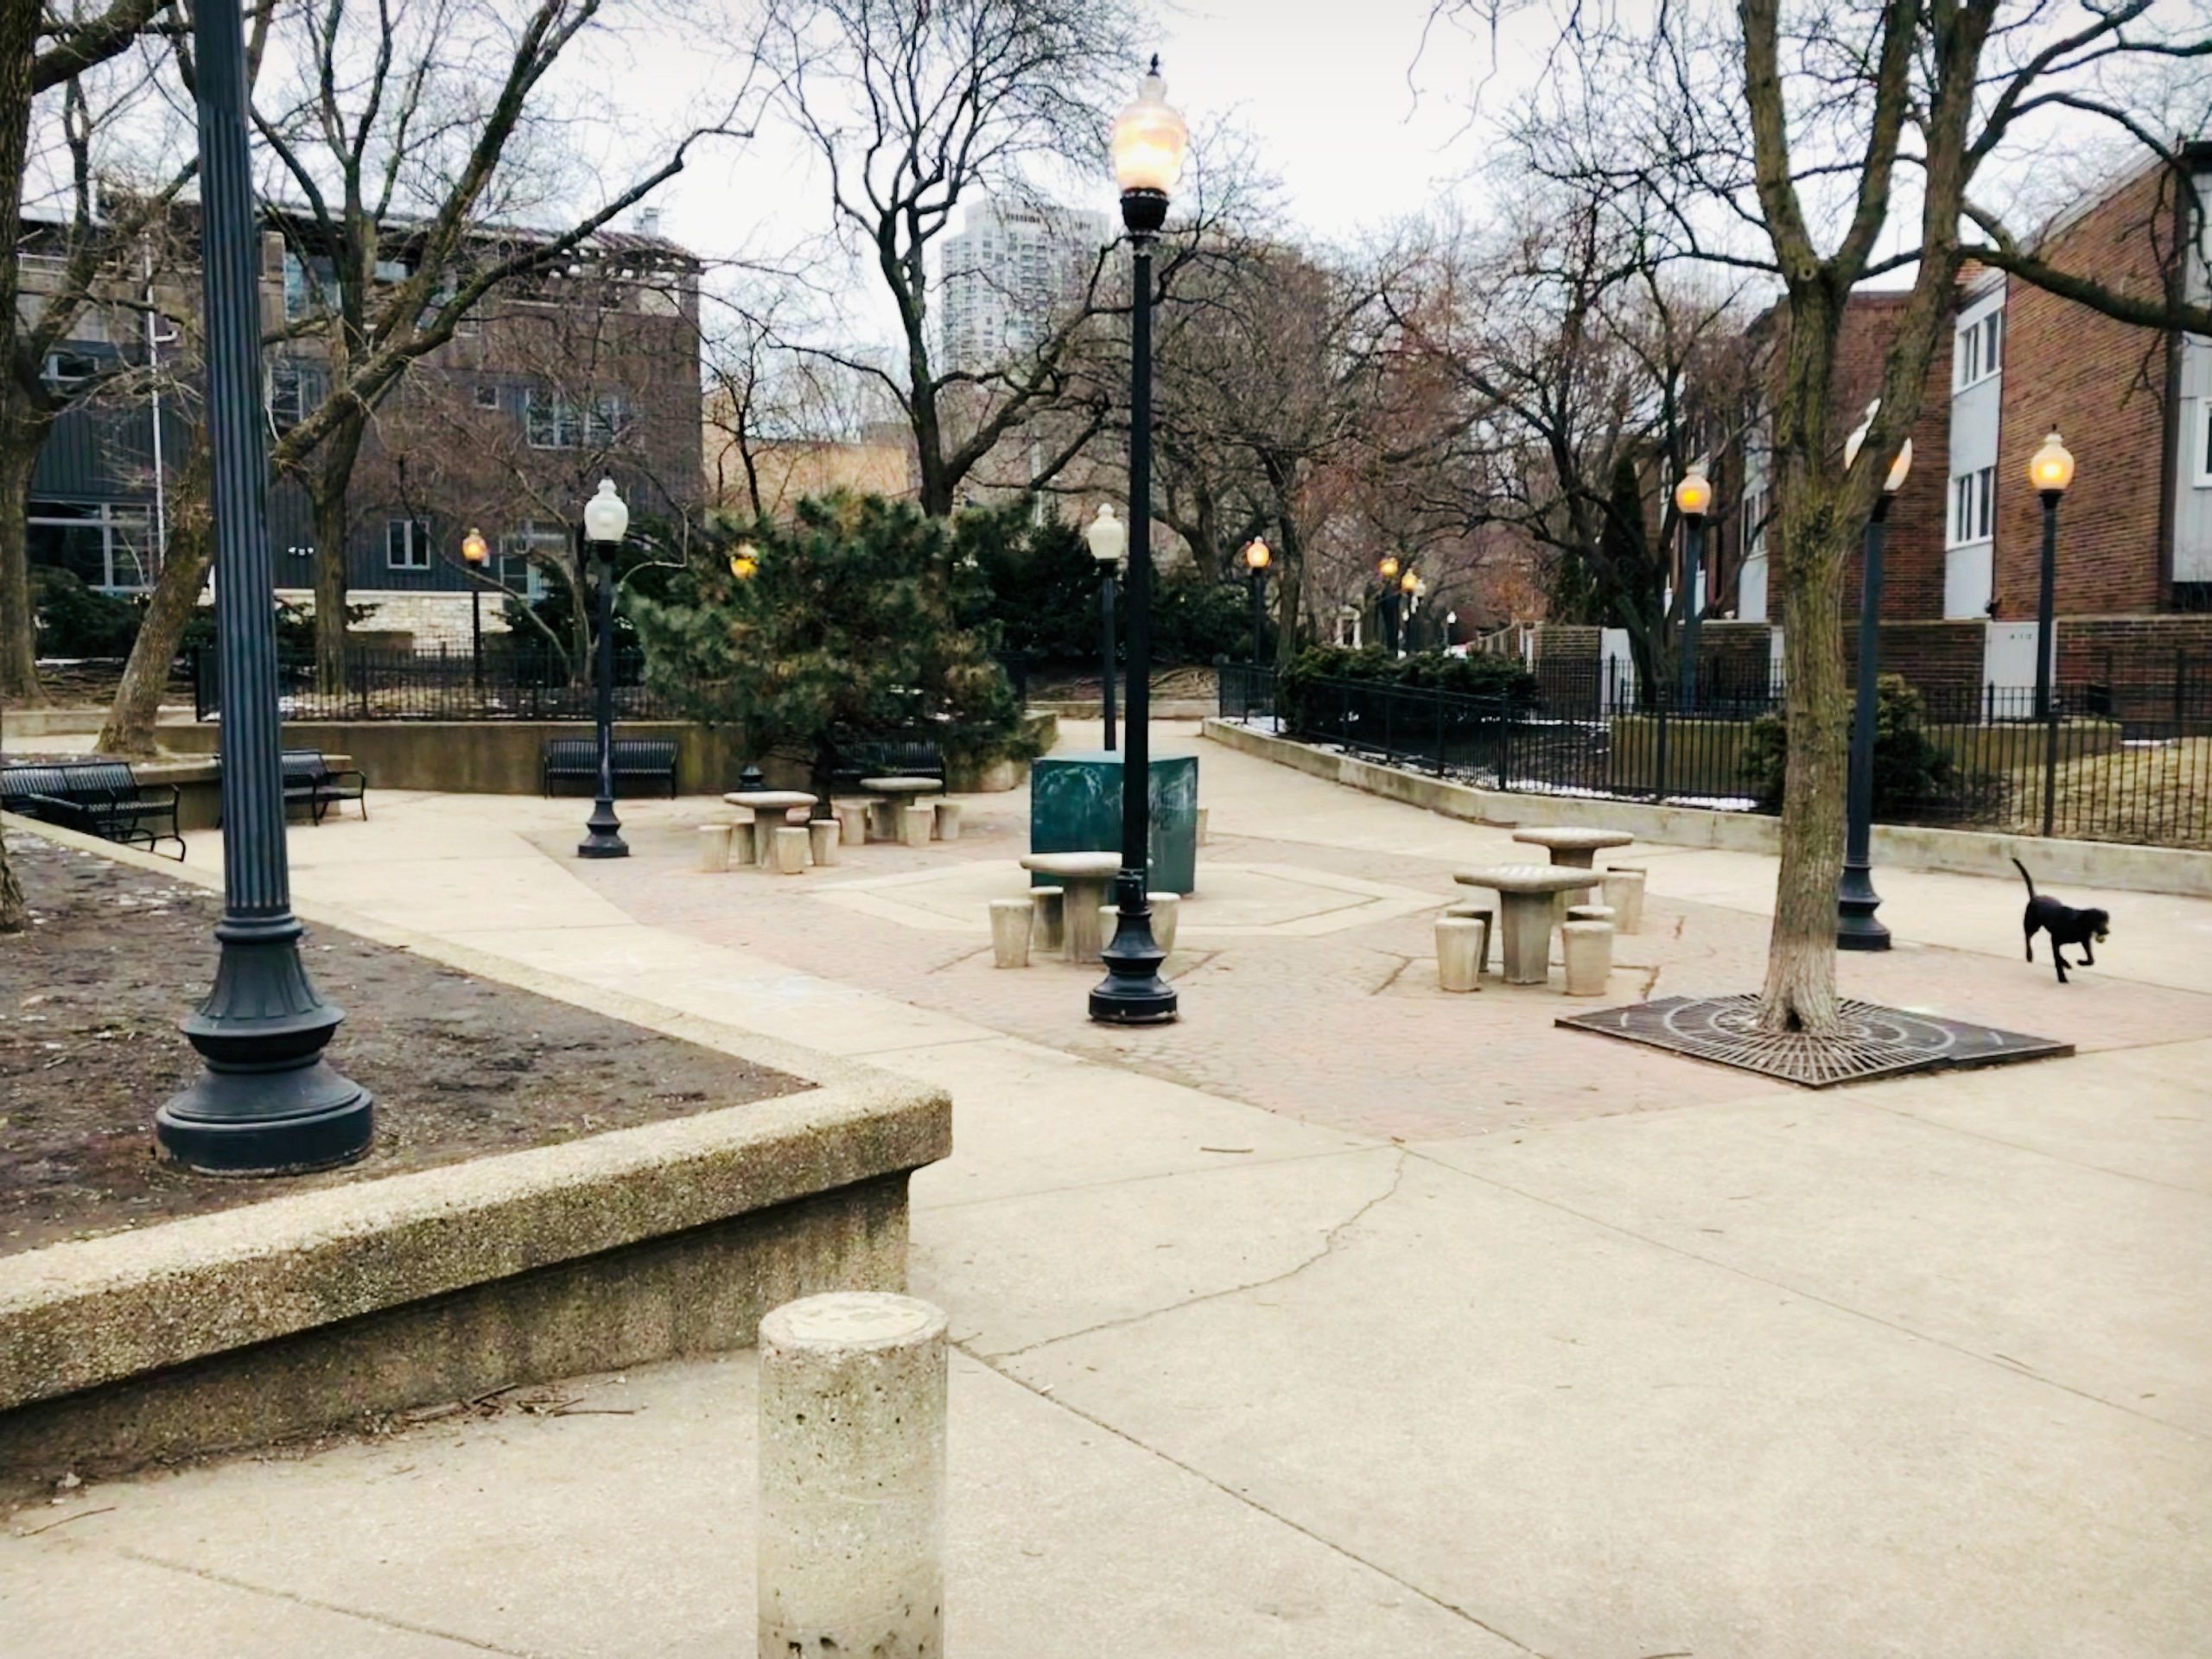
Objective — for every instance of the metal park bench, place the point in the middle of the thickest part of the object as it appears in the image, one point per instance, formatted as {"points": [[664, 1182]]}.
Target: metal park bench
{"points": [[99, 797], [575, 759]]}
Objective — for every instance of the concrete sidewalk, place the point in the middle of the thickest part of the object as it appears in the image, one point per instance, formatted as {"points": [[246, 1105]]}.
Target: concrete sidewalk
{"points": [[1910, 1369]]}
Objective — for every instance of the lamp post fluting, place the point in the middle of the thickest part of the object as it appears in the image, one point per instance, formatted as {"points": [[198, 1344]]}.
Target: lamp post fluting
{"points": [[1693, 499], [1149, 138], [1108, 538], [474, 555], [1257, 557], [1856, 901], [268, 1102], [606, 520], [2051, 469]]}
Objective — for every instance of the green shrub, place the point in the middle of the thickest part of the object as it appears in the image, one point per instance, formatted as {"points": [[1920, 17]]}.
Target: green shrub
{"points": [[1501, 678], [1911, 770], [75, 620]]}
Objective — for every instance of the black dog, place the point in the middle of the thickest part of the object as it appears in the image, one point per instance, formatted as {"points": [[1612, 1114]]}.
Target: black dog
{"points": [[2065, 925]]}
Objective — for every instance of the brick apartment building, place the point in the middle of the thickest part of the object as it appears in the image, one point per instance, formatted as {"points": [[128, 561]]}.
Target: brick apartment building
{"points": [[588, 370], [2133, 596]]}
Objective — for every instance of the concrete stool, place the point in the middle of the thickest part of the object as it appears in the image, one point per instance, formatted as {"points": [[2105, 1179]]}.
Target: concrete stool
{"points": [[1052, 917], [1011, 921], [1588, 947], [1484, 914], [1205, 835], [1590, 912], [883, 820], [744, 842], [947, 827], [915, 823], [822, 840], [1624, 889], [1165, 908], [851, 1531], [1460, 943], [852, 823], [790, 843], [713, 847]]}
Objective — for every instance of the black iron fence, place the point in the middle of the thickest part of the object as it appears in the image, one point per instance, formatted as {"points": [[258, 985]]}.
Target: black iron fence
{"points": [[506, 684], [2105, 761]]}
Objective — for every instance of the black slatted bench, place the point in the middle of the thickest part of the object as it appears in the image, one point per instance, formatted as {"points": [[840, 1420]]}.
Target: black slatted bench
{"points": [[575, 759], [854, 758], [100, 797], [310, 782]]}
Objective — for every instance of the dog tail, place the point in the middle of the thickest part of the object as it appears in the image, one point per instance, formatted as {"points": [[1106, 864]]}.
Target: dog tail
{"points": [[2025, 877]]}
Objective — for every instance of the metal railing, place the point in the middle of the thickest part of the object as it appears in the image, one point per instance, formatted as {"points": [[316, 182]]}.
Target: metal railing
{"points": [[506, 684], [2129, 761]]}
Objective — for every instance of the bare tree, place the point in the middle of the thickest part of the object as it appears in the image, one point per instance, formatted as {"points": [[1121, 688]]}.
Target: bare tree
{"points": [[1824, 145], [409, 178]]}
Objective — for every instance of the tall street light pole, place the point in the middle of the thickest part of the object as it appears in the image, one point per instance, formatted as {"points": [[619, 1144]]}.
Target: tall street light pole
{"points": [[1149, 139], [1855, 898], [1257, 557], [475, 555], [1410, 588], [1387, 608], [267, 1104], [606, 520], [2051, 469], [1108, 538], [1693, 499]]}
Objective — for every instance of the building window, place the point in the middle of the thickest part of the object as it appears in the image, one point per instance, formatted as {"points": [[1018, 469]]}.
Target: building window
{"points": [[66, 367], [2203, 480], [295, 390], [488, 395], [524, 553], [554, 420], [1973, 505], [1978, 349], [406, 544], [104, 546]]}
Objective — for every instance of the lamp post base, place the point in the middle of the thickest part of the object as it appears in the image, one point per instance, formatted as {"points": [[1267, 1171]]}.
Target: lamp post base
{"points": [[1856, 902], [605, 839], [267, 1104], [1133, 993]]}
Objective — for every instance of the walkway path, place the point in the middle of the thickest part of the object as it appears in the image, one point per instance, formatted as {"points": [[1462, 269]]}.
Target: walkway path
{"points": [[1345, 1319]]}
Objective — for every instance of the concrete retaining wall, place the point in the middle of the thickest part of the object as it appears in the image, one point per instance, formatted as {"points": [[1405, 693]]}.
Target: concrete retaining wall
{"points": [[2115, 865]]}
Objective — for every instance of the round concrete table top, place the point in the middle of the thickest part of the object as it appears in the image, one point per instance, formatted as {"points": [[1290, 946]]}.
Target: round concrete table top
{"points": [[768, 800], [1530, 877], [1082, 867], [1573, 838], [903, 786]]}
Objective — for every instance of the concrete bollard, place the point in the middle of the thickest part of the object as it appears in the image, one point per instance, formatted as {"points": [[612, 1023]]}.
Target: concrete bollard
{"points": [[1623, 891], [1459, 941], [1166, 908], [916, 820], [1011, 921], [1588, 948], [1590, 914], [1487, 915], [852, 823], [822, 840], [947, 827], [851, 1544], [1205, 833], [790, 844], [745, 842], [713, 847], [1052, 932]]}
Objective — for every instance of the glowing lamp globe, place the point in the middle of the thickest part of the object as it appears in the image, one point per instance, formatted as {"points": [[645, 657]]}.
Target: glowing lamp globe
{"points": [[473, 548], [1409, 583], [1693, 495], [1148, 144], [744, 561], [606, 517], [1388, 567], [2051, 469], [1257, 554]]}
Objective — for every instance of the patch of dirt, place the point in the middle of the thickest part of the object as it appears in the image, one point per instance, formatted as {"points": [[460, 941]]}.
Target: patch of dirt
{"points": [[461, 1067]]}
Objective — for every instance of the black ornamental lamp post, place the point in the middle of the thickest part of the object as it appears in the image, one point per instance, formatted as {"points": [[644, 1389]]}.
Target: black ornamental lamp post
{"points": [[1149, 139], [1856, 901], [268, 1102], [1693, 499], [475, 555], [1108, 538], [1411, 588], [2051, 469], [1257, 557], [606, 519], [1387, 606]]}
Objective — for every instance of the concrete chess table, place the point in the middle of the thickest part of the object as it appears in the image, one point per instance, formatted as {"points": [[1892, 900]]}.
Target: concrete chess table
{"points": [[1571, 847], [1087, 881], [1528, 897]]}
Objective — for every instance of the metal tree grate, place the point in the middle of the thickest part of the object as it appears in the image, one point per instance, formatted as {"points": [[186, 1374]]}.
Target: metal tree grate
{"points": [[1877, 1041]]}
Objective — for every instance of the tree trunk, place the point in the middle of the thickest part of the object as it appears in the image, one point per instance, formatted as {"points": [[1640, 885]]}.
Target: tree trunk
{"points": [[19, 682], [1800, 990], [129, 729], [14, 916], [328, 484]]}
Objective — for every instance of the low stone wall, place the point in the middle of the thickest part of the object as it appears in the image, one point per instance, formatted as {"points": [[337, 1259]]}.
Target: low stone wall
{"points": [[2116, 865]]}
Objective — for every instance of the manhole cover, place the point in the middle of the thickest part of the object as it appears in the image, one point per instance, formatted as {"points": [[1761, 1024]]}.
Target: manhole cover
{"points": [[1876, 1042]]}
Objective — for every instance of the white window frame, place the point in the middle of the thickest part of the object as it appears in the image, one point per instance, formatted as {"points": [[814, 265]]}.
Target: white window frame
{"points": [[414, 549], [2202, 478], [1971, 513], [1978, 349], [481, 401]]}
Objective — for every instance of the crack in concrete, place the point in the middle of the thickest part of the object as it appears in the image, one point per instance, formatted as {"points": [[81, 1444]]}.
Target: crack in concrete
{"points": [[1330, 1239]]}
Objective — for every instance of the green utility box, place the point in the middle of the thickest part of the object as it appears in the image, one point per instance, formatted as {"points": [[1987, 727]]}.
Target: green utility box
{"points": [[1075, 806]]}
